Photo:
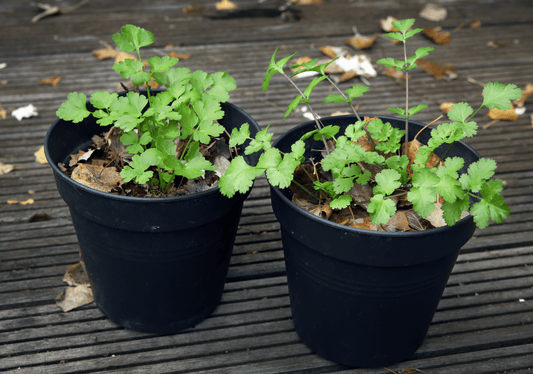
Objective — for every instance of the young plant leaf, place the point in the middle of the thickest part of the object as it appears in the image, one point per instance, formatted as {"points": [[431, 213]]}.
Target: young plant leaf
{"points": [[239, 135], [381, 209], [74, 109], [238, 178], [132, 38], [499, 96], [341, 202], [491, 206]]}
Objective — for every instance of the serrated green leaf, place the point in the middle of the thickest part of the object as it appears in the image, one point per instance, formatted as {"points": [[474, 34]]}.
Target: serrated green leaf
{"points": [[132, 38], [262, 141], [201, 80], [450, 189], [460, 112], [357, 90], [328, 131], [341, 202], [162, 64], [404, 24], [136, 170], [388, 181], [478, 173], [397, 36], [132, 69], [355, 131], [381, 209], [492, 205], [452, 211], [423, 194], [398, 111], [411, 33], [416, 109], [103, 99], [238, 178], [239, 135], [499, 96], [451, 166], [336, 99], [282, 175], [293, 105], [74, 109], [271, 158], [390, 62], [341, 185]]}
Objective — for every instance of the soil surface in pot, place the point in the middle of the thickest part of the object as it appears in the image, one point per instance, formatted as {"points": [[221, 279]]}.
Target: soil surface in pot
{"points": [[99, 167], [356, 215]]}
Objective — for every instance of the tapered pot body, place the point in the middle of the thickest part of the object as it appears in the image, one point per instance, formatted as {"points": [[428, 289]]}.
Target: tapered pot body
{"points": [[358, 297], [154, 264]]}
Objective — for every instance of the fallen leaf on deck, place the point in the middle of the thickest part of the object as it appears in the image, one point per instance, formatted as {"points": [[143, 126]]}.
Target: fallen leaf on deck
{"points": [[475, 25], [98, 177], [3, 65], [25, 202], [39, 217], [359, 63], [105, 53], [74, 297], [307, 2], [5, 168], [333, 52], [446, 107], [437, 36], [386, 24], [192, 9], [497, 44], [76, 276], [25, 112], [361, 42], [3, 112], [434, 13], [398, 75], [48, 11], [526, 93], [437, 70], [40, 157], [53, 81], [226, 5], [181, 57], [504, 115]]}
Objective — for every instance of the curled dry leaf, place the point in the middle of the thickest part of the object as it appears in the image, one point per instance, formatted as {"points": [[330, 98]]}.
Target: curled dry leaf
{"points": [[80, 156], [74, 297], [181, 57], [446, 107], [497, 44], [106, 53], [398, 222], [39, 217], [437, 36], [434, 13], [53, 81], [398, 75], [505, 115], [365, 224], [386, 24], [412, 150], [526, 93], [25, 202], [40, 157], [361, 42], [76, 276], [98, 177], [437, 70], [5, 168], [192, 9], [361, 193], [226, 5], [475, 25], [333, 52]]}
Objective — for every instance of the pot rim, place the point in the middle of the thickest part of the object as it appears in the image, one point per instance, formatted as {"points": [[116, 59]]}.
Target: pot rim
{"points": [[147, 200], [463, 222]]}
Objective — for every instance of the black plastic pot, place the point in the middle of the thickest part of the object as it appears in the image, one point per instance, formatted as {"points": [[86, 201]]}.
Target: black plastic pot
{"points": [[154, 264], [363, 298]]}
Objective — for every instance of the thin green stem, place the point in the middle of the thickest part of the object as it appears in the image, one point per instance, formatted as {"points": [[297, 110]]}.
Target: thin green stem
{"points": [[309, 192], [406, 141]]}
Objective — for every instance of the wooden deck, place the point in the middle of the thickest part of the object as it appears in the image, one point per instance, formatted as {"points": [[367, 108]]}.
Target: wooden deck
{"points": [[484, 323]]}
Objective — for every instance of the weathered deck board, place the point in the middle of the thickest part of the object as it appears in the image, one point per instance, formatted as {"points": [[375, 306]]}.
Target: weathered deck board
{"points": [[483, 323]]}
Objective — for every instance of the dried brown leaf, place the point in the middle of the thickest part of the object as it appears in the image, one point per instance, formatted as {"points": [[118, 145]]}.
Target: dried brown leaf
{"points": [[21, 202], [181, 57], [434, 13], [74, 297], [437, 36], [475, 25], [398, 222], [526, 93], [76, 276], [40, 157], [226, 5], [366, 224], [192, 9], [412, 150], [361, 42], [497, 44], [106, 53], [330, 51], [53, 81], [97, 177], [386, 24], [446, 107], [396, 74], [437, 70], [504, 115], [5, 168], [39, 217]]}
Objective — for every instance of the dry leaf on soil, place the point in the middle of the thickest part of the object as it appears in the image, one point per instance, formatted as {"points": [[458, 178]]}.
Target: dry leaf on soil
{"points": [[80, 156], [398, 222], [97, 177], [52, 81], [412, 150], [434, 13], [437, 36]]}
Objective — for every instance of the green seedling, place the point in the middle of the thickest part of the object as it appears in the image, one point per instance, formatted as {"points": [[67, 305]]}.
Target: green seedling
{"points": [[152, 124], [343, 163]]}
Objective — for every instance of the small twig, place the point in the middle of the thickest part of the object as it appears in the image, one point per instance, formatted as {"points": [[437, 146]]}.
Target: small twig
{"points": [[484, 127], [472, 80], [74, 7], [429, 124]]}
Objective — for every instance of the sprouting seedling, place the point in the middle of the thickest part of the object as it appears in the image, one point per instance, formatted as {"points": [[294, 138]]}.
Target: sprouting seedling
{"points": [[344, 162], [150, 125], [404, 33]]}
